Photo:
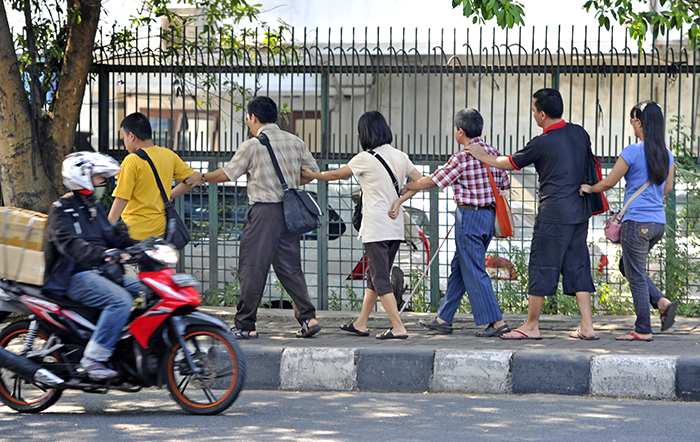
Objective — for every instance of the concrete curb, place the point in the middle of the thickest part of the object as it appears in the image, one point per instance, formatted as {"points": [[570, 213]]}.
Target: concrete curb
{"points": [[474, 372]]}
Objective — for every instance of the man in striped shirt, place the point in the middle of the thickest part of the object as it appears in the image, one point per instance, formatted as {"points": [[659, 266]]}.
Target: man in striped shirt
{"points": [[474, 228]]}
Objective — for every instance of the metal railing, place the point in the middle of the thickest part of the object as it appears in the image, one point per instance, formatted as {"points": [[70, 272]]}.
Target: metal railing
{"points": [[195, 91]]}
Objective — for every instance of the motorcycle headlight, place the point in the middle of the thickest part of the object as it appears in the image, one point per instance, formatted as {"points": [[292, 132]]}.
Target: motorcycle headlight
{"points": [[163, 254]]}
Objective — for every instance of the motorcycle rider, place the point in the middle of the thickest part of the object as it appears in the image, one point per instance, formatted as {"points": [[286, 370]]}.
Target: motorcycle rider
{"points": [[79, 253]]}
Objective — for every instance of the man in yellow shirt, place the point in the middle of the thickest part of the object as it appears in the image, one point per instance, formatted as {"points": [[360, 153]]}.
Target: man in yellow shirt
{"points": [[137, 198]]}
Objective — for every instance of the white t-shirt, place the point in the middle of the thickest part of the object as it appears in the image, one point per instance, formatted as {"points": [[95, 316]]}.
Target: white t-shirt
{"points": [[378, 192]]}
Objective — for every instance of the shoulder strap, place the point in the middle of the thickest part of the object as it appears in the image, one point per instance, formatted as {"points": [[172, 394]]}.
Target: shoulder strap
{"points": [[266, 142], [493, 182], [394, 181], [635, 195], [144, 156]]}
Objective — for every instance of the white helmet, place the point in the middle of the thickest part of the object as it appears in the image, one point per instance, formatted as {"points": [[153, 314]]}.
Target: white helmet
{"points": [[79, 167]]}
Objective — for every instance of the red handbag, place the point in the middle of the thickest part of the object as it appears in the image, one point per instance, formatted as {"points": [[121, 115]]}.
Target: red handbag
{"points": [[504, 216]]}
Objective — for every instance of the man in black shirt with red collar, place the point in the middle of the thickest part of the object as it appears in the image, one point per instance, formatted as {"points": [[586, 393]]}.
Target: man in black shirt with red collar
{"points": [[559, 239]]}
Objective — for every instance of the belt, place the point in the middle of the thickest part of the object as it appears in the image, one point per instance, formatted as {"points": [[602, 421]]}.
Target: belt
{"points": [[473, 207]]}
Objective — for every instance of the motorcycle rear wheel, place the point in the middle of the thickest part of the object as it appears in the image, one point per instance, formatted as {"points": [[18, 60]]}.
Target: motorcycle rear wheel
{"points": [[219, 358], [15, 391]]}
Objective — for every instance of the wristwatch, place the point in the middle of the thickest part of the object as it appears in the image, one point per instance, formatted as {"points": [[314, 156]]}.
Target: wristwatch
{"points": [[204, 178]]}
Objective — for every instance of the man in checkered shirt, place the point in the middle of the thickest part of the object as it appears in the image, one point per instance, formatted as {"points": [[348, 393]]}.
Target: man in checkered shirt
{"points": [[474, 228]]}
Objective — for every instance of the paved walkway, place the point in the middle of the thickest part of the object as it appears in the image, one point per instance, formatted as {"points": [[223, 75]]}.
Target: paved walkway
{"points": [[666, 368], [277, 328]]}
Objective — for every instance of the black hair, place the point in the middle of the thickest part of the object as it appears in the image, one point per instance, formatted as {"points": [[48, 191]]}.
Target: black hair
{"points": [[264, 108], [470, 121], [373, 130], [653, 127], [549, 100], [137, 124]]}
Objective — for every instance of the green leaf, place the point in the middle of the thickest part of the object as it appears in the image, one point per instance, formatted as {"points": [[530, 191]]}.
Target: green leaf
{"points": [[467, 9]]}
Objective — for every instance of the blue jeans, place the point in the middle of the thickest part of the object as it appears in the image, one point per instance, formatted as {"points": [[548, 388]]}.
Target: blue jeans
{"points": [[473, 233], [636, 240], [94, 290]]}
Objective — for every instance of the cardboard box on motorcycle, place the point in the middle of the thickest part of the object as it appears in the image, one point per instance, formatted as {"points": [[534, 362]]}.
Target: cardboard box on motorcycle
{"points": [[22, 228], [22, 245]]}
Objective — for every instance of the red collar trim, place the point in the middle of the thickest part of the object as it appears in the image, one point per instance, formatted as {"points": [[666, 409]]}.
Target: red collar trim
{"points": [[84, 192], [558, 125]]}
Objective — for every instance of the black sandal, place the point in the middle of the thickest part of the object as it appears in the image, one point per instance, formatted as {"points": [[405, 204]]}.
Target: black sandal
{"points": [[308, 331], [493, 332], [244, 334], [668, 317], [350, 327]]}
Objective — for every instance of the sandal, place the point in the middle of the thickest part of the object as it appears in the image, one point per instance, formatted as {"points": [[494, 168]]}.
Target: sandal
{"points": [[389, 334], [308, 331], [244, 334], [440, 327], [491, 331], [350, 327], [669, 316]]}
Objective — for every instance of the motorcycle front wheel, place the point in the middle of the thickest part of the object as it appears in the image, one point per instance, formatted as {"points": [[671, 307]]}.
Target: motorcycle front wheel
{"points": [[219, 371], [16, 392]]}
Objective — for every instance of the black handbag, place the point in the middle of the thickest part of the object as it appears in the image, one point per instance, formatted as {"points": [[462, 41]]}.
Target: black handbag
{"points": [[594, 174], [357, 211], [301, 211], [176, 232]]}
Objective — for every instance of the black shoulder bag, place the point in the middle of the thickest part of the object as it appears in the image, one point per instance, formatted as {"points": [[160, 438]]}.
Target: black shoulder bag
{"points": [[357, 212], [594, 174], [301, 211], [176, 232]]}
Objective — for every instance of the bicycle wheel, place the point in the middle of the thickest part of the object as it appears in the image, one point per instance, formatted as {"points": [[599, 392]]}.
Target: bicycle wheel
{"points": [[219, 371], [16, 392]]}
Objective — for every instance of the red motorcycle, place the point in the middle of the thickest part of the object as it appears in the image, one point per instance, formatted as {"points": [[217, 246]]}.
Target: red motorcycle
{"points": [[166, 342]]}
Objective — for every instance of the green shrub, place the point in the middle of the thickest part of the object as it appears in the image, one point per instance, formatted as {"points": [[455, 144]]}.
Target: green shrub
{"points": [[226, 297]]}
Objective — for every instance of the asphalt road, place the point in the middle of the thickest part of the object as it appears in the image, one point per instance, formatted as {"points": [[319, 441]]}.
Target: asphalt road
{"points": [[339, 416]]}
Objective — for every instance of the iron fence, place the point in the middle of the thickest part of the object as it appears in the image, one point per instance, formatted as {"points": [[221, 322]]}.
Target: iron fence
{"points": [[194, 91]]}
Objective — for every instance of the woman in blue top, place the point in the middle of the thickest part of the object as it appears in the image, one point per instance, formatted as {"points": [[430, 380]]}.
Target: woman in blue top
{"points": [[644, 221]]}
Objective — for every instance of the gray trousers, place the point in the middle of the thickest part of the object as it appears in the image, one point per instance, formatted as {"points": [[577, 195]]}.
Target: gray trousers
{"points": [[266, 241]]}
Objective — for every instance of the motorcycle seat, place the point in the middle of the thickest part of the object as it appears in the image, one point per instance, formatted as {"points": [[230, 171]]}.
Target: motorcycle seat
{"points": [[90, 313]]}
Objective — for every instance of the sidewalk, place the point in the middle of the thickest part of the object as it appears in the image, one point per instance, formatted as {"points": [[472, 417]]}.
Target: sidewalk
{"points": [[666, 368]]}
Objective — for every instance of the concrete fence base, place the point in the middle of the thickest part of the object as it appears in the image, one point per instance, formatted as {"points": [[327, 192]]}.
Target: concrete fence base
{"points": [[475, 372]]}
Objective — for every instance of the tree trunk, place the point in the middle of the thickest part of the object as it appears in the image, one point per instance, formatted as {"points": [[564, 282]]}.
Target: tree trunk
{"points": [[23, 178], [31, 154], [71, 87]]}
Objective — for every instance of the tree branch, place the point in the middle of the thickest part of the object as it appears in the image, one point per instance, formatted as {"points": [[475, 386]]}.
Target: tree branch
{"points": [[35, 92]]}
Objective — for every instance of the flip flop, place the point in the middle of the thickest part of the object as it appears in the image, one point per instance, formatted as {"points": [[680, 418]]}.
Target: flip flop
{"points": [[388, 334], [577, 335], [635, 337], [491, 331], [350, 327], [669, 316], [523, 336]]}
